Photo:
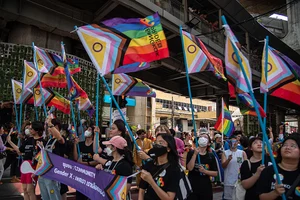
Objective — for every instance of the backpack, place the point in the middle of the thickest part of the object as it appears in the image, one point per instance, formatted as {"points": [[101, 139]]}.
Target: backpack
{"points": [[239, 192], [185, 188]]}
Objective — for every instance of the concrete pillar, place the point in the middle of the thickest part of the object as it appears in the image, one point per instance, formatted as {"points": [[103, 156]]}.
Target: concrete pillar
{"points": [[293, 37], [138, 115]]}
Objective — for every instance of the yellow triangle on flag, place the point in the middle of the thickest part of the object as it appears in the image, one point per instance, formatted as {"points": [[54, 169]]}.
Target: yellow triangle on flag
{"points": [[191, 50], [30, 75], [17, 91], [98, 49]]}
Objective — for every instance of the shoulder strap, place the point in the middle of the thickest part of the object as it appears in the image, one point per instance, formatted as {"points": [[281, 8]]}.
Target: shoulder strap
{"points": [[249, 164], [165, 166], [290, 191]]}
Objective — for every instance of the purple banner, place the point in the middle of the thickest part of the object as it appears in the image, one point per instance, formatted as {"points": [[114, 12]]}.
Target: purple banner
{"points": [[93, 183]]}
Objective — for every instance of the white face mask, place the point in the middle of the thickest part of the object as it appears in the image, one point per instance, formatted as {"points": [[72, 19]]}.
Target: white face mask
{"points": [[108, 151], [27, 132], [87, 133], [202, 142]]}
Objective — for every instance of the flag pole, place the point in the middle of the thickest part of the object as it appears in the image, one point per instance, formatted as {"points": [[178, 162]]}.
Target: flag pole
{"points": [[190, 93], [257, 111], [97, 112], [16, 114], [110, 106], [121, 114], [265, 139], [66, 69], [39, 79], [80, 123], [222, 123], [35, 109]]}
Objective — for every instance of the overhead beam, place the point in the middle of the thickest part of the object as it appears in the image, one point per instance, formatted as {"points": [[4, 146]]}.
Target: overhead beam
{"points": [[174, 77], [105, 10]]}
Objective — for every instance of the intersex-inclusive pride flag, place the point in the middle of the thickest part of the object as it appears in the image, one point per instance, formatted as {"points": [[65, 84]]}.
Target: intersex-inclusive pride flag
{"points": [[18, 94], [93, 183], [233, 69], [198, 57], [38, 100], [119, 42], [279, 72], [134, 67], [289, 92], [30, 76], [125, 85], [85, 104], [245, 103], [224, 123], [44, 61], [51, 98], [294, 67]]}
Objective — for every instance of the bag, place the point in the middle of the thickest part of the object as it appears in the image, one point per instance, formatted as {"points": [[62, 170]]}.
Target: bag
{"points": [[291, 190], [239, 192], [185, 188]]}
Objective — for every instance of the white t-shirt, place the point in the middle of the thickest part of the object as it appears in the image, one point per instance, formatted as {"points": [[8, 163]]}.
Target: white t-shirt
{"points": [[232, 170]]}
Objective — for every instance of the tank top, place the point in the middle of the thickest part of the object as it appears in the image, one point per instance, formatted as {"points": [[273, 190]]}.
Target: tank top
{"points": [[232, 170]]}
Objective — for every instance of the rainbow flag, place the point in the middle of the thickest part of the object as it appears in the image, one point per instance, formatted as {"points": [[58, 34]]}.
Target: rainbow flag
{"points": [[59, 81], [119, 42], [279, 72], [77, 90], [246, 105], [73, 65], [225, 124], [134, 67], [59, 102], [85, 104], [148, 41], [30, 76], [289, 92], [38, 100], [124, 85], [19, 95], [43, 60], [234, 72]]}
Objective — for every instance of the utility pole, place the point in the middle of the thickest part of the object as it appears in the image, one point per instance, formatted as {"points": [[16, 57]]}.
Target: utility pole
{"points": [[173, 121]]}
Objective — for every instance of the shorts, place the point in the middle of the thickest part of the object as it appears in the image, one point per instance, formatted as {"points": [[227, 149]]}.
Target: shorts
{"points": [[26, 178], [228, 192]]}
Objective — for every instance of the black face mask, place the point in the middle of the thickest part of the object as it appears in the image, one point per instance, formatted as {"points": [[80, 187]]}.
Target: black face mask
{"points": [[157, 150]]}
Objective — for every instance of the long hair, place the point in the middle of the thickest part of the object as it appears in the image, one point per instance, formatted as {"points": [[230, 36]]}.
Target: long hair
{"points": [[173, 157], [251, 141], [127, 155], [121, 127]]}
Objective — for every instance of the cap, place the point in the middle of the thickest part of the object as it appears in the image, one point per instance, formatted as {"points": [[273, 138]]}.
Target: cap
{"points": [[82, 121], [116, 141], [218, 136]]}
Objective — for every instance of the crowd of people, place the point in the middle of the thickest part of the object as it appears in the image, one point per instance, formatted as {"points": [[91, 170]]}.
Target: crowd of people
{"points": [[172, 165]]}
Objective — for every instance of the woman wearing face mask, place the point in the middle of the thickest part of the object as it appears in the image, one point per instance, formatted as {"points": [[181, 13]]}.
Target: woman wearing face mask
{"points": [[122, 163], [250, 176], [160, 178], [199, 175], [288, 167], [86, 154], [232, 160], [28, 150]]}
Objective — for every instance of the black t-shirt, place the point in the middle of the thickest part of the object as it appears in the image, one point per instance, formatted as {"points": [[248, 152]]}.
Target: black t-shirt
{"points": [[58, 148], [121, 167], [29, 148], [266, 182], [251, 193], [86, 152], [167, 180], [200, 182]]}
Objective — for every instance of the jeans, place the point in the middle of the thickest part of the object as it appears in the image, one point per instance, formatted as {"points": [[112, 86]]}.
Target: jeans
{"points": [[50, 190], [2, 161]]}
